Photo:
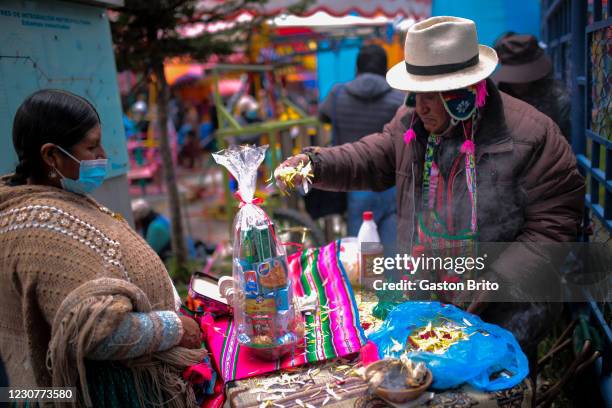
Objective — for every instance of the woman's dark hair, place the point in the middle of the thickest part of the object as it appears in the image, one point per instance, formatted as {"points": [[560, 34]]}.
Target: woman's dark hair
{"points": [[48, 116]]}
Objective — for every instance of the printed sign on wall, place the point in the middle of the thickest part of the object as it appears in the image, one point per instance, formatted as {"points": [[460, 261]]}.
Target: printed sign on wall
{"points": [[55, 44]]}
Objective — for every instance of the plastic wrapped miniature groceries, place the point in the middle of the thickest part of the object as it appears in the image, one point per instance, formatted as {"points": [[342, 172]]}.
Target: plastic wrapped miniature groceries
{"points": [[264, 312]]}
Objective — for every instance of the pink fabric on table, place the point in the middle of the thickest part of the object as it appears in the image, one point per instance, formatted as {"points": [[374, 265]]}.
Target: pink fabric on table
{"points": [[333, 331]]}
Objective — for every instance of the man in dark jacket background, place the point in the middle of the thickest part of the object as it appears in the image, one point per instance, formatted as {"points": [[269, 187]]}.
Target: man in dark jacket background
{"points": [[356, 109], [526, 73]]}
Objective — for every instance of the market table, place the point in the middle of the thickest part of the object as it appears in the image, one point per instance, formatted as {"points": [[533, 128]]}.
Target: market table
{"points": [[310, 385], [321, 372], [352, 390]]}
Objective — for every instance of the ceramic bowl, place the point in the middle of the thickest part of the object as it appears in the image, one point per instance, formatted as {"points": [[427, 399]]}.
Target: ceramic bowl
{"points": [[398, 395]]}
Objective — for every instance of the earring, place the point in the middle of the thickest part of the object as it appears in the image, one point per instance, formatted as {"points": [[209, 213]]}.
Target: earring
{"points": [[52, 174]]}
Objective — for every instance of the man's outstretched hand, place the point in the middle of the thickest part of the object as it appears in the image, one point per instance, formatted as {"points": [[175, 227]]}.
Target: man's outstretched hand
{"points": [[297, 179]]}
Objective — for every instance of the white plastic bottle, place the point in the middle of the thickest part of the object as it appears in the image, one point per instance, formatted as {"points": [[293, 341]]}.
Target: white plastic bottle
{"points": [[369, 244]]}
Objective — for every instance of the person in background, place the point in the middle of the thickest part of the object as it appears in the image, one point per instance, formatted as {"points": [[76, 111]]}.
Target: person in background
{"points": [[207, 133], [248, 114], [139, 111], [155, 229], [153, 226], [526, 73], [248, 110], [356, 109], [191, 122], [191, 150], [176, 109], [129, 126], [86, 302]]}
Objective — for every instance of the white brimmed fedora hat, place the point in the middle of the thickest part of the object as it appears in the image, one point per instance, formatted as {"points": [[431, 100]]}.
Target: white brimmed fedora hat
{"points": [[442, 54]]}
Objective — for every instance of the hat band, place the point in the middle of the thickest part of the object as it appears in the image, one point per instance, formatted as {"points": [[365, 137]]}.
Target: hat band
{"points": [[441, 69]]}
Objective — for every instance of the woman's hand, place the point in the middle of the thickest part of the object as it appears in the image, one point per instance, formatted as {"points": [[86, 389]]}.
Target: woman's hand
{"points": [[292, 161], [192, 336]]}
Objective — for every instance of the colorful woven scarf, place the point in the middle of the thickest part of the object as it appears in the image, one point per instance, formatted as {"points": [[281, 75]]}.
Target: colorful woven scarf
{"points": [[469, 151], [436, 229], [462, 105], [333, 330], [435, 202]]}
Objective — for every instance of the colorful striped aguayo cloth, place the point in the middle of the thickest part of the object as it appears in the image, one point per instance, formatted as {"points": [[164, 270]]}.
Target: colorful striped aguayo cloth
{"points": [[333, 330]]}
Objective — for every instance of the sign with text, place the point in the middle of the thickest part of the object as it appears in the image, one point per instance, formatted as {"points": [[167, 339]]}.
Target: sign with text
{"points": [[54, 44]]}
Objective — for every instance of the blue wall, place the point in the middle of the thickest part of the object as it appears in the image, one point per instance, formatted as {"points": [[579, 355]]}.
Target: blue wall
{"points": [[336, 65], [494, 17], [55, 44]]}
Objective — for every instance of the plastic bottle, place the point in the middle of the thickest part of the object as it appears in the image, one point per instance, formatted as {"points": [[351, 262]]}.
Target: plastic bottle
{"points": [[369, 244]]}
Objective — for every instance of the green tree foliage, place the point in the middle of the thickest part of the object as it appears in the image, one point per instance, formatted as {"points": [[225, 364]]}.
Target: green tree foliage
{"points": [[146, 33]]}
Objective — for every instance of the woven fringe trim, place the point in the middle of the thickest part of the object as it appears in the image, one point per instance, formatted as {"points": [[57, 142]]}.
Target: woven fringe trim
{"points": [[74, 337]]}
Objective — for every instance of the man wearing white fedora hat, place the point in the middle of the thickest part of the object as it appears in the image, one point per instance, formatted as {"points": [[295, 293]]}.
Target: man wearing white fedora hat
{"points": [[471, 165]]}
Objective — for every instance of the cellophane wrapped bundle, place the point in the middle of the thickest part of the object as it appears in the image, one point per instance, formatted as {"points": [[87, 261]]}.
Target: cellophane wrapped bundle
{"points": [[264, 312]]}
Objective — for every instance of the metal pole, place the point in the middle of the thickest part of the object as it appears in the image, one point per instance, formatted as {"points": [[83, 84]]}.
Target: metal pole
{"points": [[579, 85], [222, 145], [579, 80]]}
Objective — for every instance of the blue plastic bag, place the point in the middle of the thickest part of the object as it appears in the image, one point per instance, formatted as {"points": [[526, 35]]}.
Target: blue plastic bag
{"points": [[489, 358]]}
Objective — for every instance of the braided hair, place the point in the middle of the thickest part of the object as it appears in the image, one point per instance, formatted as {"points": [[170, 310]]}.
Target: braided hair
{"points": [[48, 116]]}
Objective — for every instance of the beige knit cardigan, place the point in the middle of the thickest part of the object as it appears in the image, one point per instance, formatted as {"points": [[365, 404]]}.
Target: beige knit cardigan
{"points": [[52, 242]]}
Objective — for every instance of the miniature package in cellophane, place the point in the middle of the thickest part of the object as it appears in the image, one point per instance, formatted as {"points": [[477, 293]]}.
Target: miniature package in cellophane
{"points": [[264, 312]]}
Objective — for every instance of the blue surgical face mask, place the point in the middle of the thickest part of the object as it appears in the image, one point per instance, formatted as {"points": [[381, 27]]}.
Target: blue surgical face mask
{"points": [[91, 175]]}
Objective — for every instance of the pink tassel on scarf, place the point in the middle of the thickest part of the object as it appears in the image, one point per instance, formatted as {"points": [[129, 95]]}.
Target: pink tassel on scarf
{"points": [[409, 136], [468, 147], [481, 93], [369, 354]]}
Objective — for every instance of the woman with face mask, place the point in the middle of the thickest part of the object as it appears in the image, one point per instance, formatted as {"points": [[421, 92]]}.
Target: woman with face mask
{"points": [[86, 302]]}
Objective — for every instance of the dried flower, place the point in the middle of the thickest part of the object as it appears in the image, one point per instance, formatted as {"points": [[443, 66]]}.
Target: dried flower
{"points": [[436, 339], [287, 174], [397, 346]]}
